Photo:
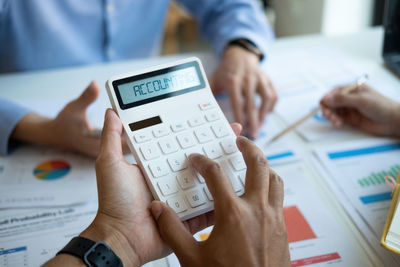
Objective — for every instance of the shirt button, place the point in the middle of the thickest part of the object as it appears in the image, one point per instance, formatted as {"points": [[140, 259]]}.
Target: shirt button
{"points": [[110, 8]]}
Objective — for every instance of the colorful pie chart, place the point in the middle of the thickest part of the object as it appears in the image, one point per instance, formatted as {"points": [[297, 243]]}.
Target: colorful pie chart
{"points": [[51, 170]]}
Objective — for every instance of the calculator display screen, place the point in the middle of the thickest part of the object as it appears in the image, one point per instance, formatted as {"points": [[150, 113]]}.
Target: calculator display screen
{"points": [[160, 84]]}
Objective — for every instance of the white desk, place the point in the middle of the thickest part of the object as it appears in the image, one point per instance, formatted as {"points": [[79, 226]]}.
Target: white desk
{"points": [[68, 84]]}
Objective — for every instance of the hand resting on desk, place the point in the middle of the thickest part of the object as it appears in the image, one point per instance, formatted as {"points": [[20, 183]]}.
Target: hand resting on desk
{"points": [[363, 108], [239, 75], [66, 130]]}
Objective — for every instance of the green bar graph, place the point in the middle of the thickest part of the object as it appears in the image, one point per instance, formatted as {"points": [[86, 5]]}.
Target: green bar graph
{"points": [[377, 178]]}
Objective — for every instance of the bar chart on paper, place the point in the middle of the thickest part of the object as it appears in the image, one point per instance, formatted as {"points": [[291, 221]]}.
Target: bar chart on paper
{"points": [[314, 236], [377, 178], [297, 226], [356, 171]]}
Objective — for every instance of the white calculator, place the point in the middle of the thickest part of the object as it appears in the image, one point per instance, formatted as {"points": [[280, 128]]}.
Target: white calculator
{"points": [[169, 112]]}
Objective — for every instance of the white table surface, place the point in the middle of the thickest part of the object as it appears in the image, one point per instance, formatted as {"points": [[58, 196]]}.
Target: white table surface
{"points": [[68, 83]]}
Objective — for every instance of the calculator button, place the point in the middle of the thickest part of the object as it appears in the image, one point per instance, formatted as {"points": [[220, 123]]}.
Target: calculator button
{"points": [[237, 186], [150, 151], [167, 187], [194, 150], [220, 129], [237, 162], [177, 204], [196, 121], [208, 194], [177, 162], [229, 146], [142, 137], [212, 116], [213, 151], [160, 131], [168, 145], [203, 135], [158, 168], [200, 178], [185, 179], [242, 177], [179, 126], [205, 106], [195, 198], [186, 140]]}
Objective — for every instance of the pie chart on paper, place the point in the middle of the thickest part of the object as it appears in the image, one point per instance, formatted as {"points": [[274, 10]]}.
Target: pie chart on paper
{"points": [[51, 170]]}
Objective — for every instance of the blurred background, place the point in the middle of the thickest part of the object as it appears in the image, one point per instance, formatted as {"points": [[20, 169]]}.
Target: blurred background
{"points": [[287, 17]]}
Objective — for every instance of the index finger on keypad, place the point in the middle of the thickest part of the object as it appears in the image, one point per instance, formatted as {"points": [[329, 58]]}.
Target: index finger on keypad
{"points": [[217, 182], [257, 174]]}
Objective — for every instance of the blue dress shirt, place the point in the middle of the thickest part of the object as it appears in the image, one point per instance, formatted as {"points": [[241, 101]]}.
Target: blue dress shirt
{"points": [[37, 34]]}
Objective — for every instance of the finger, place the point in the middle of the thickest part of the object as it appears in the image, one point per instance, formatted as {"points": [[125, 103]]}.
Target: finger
{"points": [[340, 97], [217, 182], [257, 174], [275, 190], [172, 230], [87, 97], [332, 117], [274, 95], [111, 135], [237, 128], [236, 101], [268, 95], [251, 109]]}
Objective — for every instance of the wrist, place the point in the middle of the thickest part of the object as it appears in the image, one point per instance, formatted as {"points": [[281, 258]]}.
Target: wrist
{"points": [[241, 53], [34, 128], [99, 231], [248, 46]]}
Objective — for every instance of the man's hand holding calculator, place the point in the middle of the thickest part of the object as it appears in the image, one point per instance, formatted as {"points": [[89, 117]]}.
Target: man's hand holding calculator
{"points": [[249, 230], [169, 112], [190, 161]]}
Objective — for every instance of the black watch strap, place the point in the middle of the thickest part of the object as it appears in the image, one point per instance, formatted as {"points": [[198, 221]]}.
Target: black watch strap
{"points": [[248, 45], [96, 254]]}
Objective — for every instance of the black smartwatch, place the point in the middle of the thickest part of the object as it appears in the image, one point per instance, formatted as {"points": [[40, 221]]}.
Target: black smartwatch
{"points": [[93, 254], [247, 45]]}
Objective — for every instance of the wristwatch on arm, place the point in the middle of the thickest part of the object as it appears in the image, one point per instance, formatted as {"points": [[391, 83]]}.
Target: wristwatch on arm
{"points": [[93, 254], [247, 45]]}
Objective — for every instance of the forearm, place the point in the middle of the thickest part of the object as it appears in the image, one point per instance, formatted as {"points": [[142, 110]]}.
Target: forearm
{"points": [[64, 260], [231, 20], [98, 231]]}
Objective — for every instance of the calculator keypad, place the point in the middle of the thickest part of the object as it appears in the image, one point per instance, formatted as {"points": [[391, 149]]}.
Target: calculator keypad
{"points": [[166, 158]]}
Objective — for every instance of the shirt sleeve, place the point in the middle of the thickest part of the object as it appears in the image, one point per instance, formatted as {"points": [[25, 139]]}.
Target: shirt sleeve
{"points": [[2, 6], [10, 115], [225, 20]]}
